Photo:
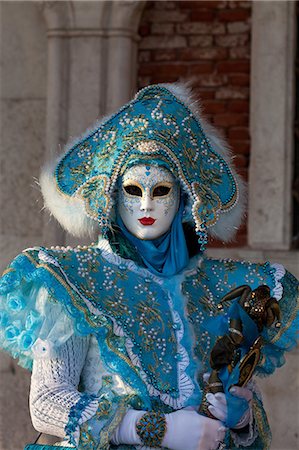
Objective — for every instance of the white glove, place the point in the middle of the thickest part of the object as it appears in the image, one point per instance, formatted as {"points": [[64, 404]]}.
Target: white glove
{"points": [[186, 430], [126, 431], [218, 405]]}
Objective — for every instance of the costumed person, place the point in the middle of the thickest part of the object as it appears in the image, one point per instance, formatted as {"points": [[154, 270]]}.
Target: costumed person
{"points": [[118, 334]]}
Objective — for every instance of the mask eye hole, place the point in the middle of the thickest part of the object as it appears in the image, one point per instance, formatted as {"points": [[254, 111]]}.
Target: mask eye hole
{"points": [[133, 190], [161, 191]]}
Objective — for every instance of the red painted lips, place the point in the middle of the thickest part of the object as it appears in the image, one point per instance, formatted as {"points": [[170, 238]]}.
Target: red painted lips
{"points": [[147, 220]]}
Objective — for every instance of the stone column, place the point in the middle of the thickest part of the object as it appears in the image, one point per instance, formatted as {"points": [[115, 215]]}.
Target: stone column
{"points": [[122, 52], [57, 17], [23, 111], [272, 100], [272, 114], [23, 117]]}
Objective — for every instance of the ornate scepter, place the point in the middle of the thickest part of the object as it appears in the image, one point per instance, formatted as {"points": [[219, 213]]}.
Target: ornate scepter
{"points": [[263, 310]]}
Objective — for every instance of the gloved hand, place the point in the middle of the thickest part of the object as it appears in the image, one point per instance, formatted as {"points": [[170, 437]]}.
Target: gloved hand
{"points": [[218, 405], [126, 433], [186, 429]]}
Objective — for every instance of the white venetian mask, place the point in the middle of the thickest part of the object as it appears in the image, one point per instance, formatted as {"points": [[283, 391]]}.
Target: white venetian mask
{"points": [[148, 200]]}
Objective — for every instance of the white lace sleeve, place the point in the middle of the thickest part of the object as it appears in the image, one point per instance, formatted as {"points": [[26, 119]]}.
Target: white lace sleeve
{"points": [[54, 388]]}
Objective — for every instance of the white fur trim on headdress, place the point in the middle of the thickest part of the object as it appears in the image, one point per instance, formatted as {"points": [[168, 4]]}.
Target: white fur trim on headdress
{"points": [[70, 211]]}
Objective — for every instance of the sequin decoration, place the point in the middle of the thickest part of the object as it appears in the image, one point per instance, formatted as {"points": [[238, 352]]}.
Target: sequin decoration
{"points": [[151, 429]]}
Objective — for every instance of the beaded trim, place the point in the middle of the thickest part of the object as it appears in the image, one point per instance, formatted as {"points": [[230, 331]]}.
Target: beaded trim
{"points": [[151, 429]]}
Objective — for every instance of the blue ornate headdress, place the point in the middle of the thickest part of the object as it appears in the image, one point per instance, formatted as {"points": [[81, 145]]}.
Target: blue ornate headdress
{"points": [[159, 126]]}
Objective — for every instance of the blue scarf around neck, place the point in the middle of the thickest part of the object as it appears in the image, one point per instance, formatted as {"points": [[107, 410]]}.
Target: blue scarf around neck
{"points": [[166, 255]]}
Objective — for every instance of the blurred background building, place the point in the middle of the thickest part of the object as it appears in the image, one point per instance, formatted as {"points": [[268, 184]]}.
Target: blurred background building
{"points": [[64, 64]]}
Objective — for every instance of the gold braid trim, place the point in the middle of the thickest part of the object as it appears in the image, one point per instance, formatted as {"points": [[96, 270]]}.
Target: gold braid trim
{"points": [[8, 270], [262, 424]]}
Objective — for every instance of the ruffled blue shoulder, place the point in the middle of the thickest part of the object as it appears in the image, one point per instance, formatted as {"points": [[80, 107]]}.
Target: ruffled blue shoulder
{"points": [[32, 322], [48, 294]]}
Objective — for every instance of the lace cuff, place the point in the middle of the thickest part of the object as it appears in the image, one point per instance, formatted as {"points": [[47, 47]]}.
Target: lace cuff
{"points": [[259, 433], [80, 413], [98, 430], [242, 439]]}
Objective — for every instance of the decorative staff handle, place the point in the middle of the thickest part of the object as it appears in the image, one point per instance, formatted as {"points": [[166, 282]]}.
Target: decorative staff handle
{"points": [[263, 310]]}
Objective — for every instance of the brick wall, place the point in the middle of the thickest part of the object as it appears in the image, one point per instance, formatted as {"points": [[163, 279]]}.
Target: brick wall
{"points": [[208, 42]]}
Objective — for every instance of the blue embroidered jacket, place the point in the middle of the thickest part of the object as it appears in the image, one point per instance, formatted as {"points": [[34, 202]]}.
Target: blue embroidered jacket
{"points": [[151, 331]]}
